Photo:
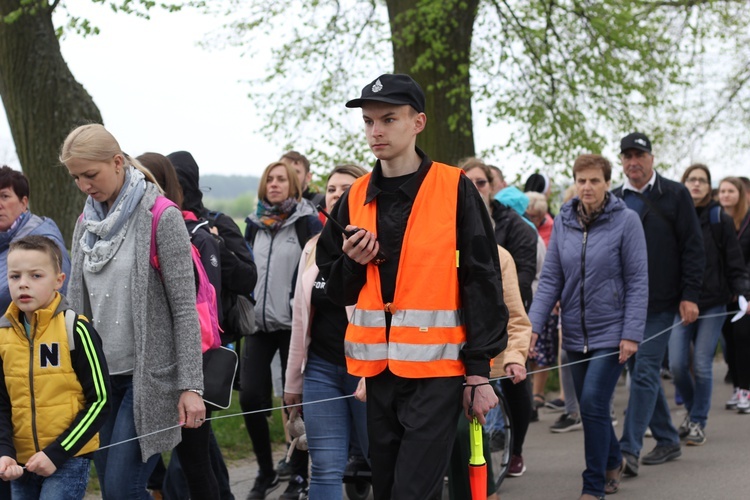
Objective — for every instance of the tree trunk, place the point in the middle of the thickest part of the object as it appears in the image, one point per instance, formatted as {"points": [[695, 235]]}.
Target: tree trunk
{"points": [[432, 43], [43, 102]]}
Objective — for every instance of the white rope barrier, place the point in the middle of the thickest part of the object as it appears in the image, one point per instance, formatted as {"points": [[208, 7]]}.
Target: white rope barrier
{"points": [[282, 407]]}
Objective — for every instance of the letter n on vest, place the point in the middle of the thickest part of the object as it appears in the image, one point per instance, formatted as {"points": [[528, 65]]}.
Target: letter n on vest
{"points": [[49, 355]]}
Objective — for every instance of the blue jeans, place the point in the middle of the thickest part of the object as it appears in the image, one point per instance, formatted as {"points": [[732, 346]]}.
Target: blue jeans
{"points": [[696, 388], [67, 483], [647, 406], [595, 382], [494, 421], [122, 474], [329, 424]]}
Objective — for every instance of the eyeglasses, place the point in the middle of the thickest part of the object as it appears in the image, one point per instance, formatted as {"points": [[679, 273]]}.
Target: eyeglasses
{"points": [[480, 183], [699, 180]]}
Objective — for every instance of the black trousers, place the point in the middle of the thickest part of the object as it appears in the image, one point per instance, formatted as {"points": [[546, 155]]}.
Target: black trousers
{"points": [[411, 424], [737, 336], [255, 394]]}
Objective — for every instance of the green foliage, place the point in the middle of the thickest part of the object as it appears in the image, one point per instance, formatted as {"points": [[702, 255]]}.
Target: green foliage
{"points": [[317, 65], [84, 27], [568, 76], [237, 208]]}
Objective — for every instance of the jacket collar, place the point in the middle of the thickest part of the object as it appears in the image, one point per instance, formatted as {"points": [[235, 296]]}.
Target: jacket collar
{"points": [[42, 317], [569, 213], [410, 187]]}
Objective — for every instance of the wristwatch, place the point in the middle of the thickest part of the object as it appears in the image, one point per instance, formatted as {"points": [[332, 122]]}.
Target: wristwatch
{"points": [[199, 392]]}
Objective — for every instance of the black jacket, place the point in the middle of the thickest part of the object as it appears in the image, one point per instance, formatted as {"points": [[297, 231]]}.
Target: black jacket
{"points": [[725, 274], [744, 237], [676, 255], [519, 239], [480, 282], [238, 271]]}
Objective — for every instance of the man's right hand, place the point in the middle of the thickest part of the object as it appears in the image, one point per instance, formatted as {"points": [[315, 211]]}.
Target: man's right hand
{"points": [[361, 247]]}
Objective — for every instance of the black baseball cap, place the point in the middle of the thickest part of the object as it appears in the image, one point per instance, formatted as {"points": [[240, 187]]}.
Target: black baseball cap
{"points": [[393, 89], [636, 140]]}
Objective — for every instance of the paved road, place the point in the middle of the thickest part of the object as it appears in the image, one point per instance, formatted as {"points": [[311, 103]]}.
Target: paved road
{"points": [[718, 470]]}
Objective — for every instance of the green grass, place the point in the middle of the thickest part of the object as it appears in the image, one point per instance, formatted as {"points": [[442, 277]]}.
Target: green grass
{"points": [[553, 381], [231, 432]]}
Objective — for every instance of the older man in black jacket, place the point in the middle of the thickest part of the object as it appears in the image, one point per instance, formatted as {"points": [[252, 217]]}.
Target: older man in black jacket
{"points": [[675, 274]]}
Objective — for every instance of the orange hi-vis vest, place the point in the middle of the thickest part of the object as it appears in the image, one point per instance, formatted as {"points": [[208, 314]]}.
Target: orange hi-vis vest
{"points": [[427, 329]]}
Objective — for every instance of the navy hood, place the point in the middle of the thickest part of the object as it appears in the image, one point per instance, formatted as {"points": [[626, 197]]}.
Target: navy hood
{"points": [[188, 175]]}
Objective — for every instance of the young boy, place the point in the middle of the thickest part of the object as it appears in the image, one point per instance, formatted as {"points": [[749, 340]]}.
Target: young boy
{"points": [[55, 393], [430, 316]]}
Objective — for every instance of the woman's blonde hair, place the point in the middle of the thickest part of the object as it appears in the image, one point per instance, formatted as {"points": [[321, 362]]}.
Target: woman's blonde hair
{"points": [[740, 209], [295, 191], [93, 142]]}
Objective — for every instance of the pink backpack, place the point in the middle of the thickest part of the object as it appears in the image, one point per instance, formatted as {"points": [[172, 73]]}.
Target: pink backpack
{"points": [[205, 298]]}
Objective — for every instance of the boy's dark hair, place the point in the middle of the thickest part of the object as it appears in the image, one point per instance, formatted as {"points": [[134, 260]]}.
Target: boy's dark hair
{"points": [[41, 244], [14, 179]]}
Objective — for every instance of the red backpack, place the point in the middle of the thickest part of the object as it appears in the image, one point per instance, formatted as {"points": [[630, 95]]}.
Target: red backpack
{"points": [[205, 297]]}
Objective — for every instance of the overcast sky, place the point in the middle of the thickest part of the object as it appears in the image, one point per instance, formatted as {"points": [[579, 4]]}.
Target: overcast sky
{"points": [[158, 91]]}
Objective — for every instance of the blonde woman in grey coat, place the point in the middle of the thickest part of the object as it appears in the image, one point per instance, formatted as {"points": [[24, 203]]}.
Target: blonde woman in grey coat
{"points": [[147, 320]]}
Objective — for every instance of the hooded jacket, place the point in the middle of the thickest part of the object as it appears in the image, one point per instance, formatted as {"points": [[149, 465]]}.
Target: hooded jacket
{"points": [[725, 274], [238, 272], [520, 239], [33, 224], [277, 256], [600, 278]]}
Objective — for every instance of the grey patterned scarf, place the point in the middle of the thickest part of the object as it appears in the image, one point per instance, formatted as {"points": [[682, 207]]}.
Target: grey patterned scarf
{"points": [[105, 229]]}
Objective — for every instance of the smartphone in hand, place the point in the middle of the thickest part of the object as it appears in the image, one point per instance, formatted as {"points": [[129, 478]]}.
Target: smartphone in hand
{"points": [[377, 260]]}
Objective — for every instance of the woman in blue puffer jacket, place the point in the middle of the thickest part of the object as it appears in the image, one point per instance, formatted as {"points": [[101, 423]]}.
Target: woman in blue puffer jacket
{"points": [[596, 266]]}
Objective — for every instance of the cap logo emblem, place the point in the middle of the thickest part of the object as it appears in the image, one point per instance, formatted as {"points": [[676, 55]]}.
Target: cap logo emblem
{"points": [[377, 86], [641, 142]]}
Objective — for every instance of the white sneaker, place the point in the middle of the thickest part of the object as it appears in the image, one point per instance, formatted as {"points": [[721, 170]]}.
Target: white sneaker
{"points": [[696, 436], [684, 428], [743, 403], [732, 403]]}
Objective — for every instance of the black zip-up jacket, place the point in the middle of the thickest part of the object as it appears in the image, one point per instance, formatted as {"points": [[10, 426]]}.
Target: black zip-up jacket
{"points": [[238, 271], [744, 238], [725, 274], [676, 255], [519, 239], [480, 282]]}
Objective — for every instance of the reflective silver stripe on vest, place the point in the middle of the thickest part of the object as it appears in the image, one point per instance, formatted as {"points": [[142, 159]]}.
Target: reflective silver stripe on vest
{"points": [[369, 319], [424, 352], [426, 319], [403, 352], [415, 318], [366, 352]]}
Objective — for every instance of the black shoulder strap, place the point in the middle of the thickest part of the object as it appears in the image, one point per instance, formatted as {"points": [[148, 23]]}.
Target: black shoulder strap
{"points": [[302, 226], [651, 205], [717, 230], [250, 231]]}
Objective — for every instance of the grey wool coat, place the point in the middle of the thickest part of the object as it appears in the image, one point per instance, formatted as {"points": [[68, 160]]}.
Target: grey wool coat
{"points": [[168, 356]]}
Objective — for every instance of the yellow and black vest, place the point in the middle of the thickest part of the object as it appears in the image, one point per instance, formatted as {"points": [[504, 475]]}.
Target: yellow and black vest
{"points": [[44, 390]]}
